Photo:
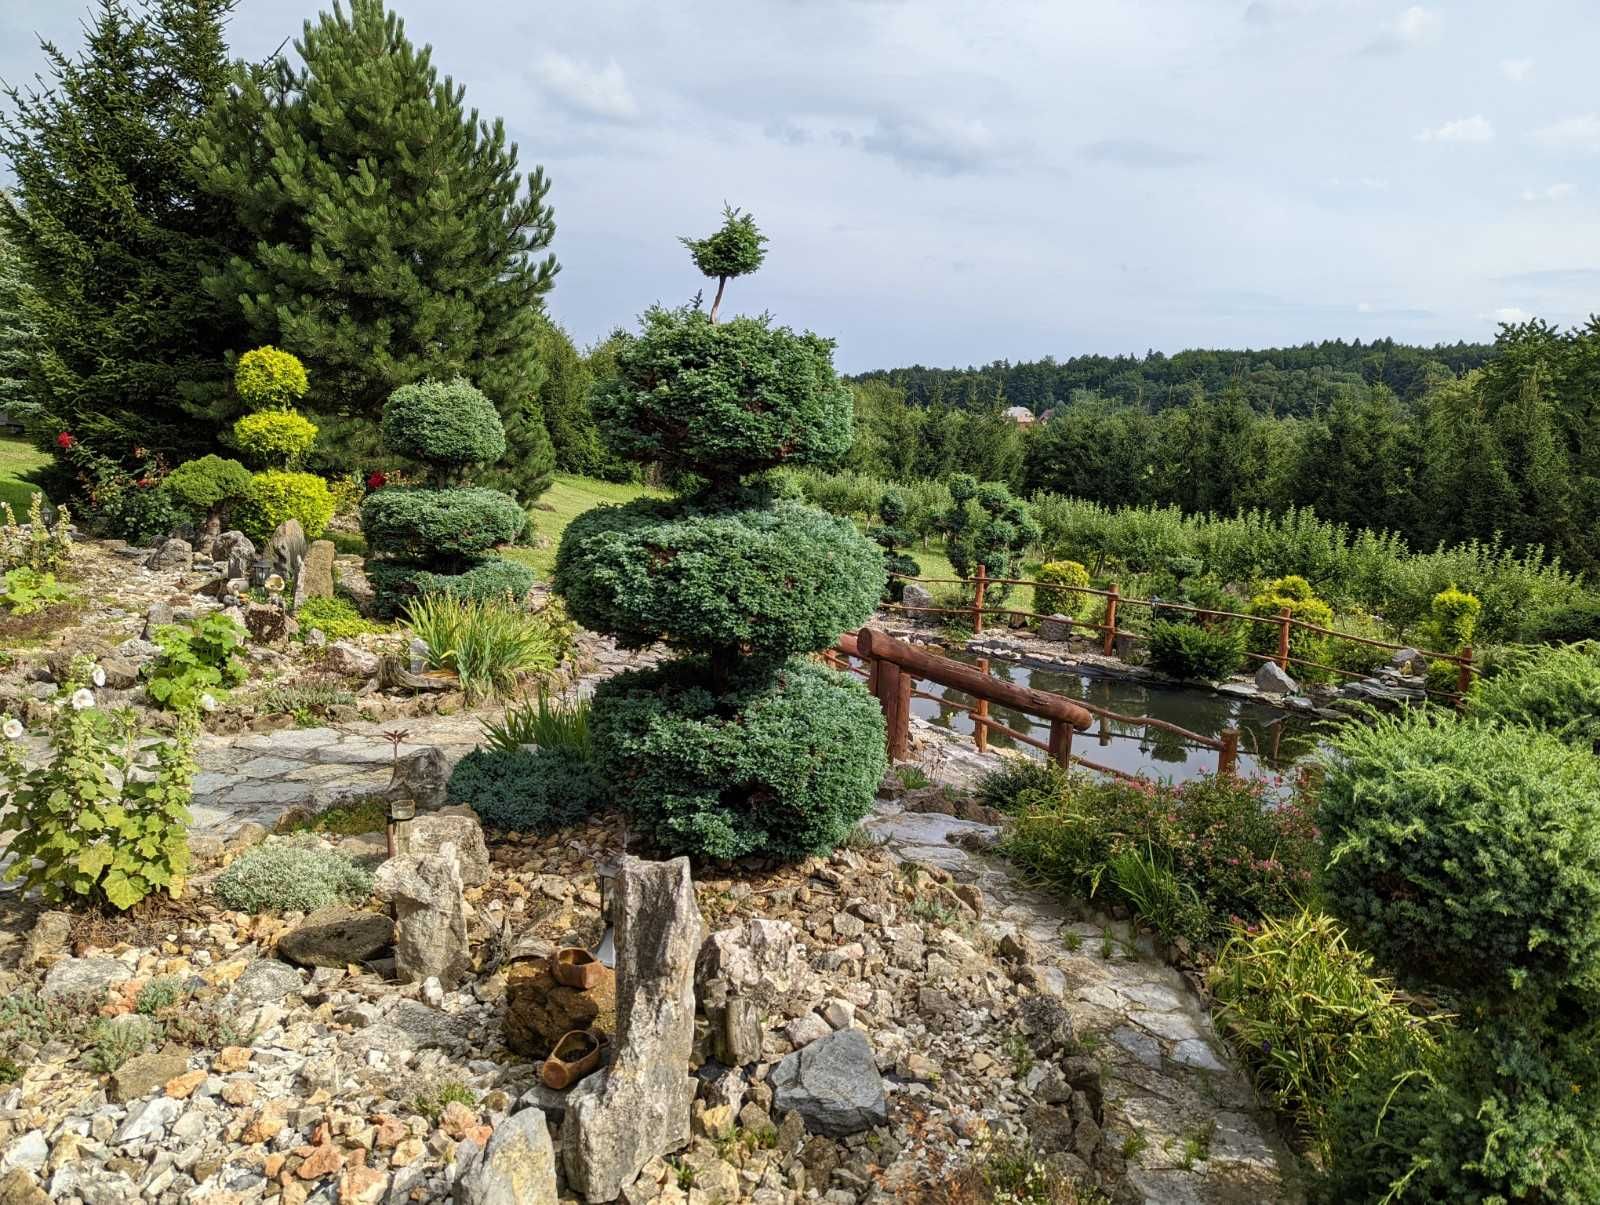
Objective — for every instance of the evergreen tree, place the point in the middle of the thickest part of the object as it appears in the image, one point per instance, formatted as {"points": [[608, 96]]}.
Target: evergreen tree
{"points": [[17, 330], [386, 234], [111, 230]]}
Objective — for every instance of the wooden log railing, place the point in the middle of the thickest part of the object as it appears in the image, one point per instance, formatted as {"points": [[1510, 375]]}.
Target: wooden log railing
{"points": [[892, 668]]}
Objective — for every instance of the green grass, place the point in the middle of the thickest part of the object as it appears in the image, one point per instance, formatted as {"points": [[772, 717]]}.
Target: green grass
{"points": [[18, 458], [566, 499]]}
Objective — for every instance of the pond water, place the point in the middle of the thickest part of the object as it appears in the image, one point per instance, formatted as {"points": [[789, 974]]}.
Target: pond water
{"points": [[1269, 739]]}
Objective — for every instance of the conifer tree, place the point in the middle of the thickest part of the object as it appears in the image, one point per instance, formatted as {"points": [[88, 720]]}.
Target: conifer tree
{"points": [[386, 233], [111, 232]]}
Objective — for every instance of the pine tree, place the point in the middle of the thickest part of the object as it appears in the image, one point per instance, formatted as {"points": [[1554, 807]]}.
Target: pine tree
{"points": [[111, 231], [18, 331], [386, 233]]}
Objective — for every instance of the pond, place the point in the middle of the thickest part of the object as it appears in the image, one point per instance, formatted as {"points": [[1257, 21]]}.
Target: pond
{"points": [[1269, 739]]}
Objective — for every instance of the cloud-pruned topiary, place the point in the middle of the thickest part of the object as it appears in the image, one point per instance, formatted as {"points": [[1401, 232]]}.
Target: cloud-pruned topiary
{"points": [[737, 248], [445, 424], [419, 523], [208, 487], [741, 746]]}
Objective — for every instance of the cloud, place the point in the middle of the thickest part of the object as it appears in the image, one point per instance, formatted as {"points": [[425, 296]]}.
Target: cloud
{"points": [[1360, 183], [1554, 278], [943, 146], [594, 91], [1579, 133], [1516, 70], [787, 132], [1466, 129], [1414, 27], [1556, 192], [1136, 152], [1511, 313]]}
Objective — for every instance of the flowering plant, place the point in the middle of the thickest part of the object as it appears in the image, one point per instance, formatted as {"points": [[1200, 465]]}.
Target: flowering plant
{"points": [[377, 479]]}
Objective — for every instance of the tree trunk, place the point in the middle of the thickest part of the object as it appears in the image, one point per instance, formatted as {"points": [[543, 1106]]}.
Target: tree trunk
{"points": [[722, 283]]}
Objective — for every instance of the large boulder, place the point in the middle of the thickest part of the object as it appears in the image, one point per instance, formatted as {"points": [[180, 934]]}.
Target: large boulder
{"points": [[315, 579], [1272, 679], [171, 554], [287, 549], [237, 550], [639, 1108], [915, 599], [423, 777], [456, 825], [518, 1167], [834, 1084], [337, 937], [539, 1009], [430, 932]]}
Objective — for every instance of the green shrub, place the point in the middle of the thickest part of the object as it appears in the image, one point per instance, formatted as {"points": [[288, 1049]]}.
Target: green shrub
{"points": [[1464, 852], [1189, 651], [1020, 782], [489, 643], [158, 994], [291, 874], [1452, 620], [1158, 897], [276, 495], [1294, 594], [197, 659], [336, 618], [1566, 622], [448, 423], [526, 790], [782, 765], [559, 725], [267, 378], [94, 821], [1352, 655], [777, 580], [26, 592], [1309, 1015], [411, 523], [1060, 590], [277, 438], [207, 487], [396, 584], [1555, 690], [986, 525]]}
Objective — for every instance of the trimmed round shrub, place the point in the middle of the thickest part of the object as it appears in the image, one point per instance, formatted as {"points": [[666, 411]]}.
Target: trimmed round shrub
{"points": [[444, 423], [209, 485], [275, 437], [1556, 690], [414, 523], [276, 495], [291, 875], [1295, 594], [396, 583], [1060, 591], [725, 399], [780, 764], [1465, 853], [779, 580], [267, 378], [1452, 620], [529, 790]]}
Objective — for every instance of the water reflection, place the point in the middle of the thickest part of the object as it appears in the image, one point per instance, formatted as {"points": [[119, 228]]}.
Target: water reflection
{"points": [[1269, 739]]}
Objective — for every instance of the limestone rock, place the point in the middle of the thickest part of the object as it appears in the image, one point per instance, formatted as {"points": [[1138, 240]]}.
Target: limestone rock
{"points": [[90, 976], [287, 549], [159, 615], [267, 981], [121, 674], [18, 1187], [834, 1084], [336, 937], [423, 776], [47, 940], [430, 935], [144, 1073], [265, 623], [1056, 627], [639, 1108], [539, 1010], [350, 660], [760, 959], [236, 549], [518, 1167], [315, 579], [457, 825], [171, 554], [1274, 680]]}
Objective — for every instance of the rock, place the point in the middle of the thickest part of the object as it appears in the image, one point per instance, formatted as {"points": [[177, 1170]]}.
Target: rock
{"points": [[915, 600], [803, 1031], [350, 660], [31, 1151], [171, 554], [1409, 661], [417, 655], [760, 959], [422, 777], [265, 623], [159, 615], [1273, 680], [639, 1107], [144, 1073], [1056, 627], [337, 937], [735, 1031], [18, 1187], [430, 932], [539, 1010], [86, 976], [834, 1084], [315, 579], [267, 981], [458, 826], [121, 674], [47, 940], [287, 549], [518, 1167], [235, 548]]}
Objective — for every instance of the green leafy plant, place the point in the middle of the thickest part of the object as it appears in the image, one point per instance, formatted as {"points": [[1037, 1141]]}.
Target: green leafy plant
{"points": [[1060, 590], [1452, 620], [291, 874], [207, 488], [277, 495], [432, 1101], [308, 702], [1022, 781], [1159, 898], [25, 591], [158, 994], [526, 790], [1555, 690], [198, 661], [560, 725], [1189, 651], [489, 644], [39, 546], [1293, 594], [112, 1045], [279, 438], [266, 378], [336, 618], [104, 817]]}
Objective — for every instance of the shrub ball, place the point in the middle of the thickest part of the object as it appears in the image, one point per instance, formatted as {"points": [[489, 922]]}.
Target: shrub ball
{"points": [[211, 483], [414, 524], [276, 495], [529, 790], [444, 423]]}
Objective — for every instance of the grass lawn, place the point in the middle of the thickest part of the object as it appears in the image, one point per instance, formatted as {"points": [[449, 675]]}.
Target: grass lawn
{"points": [[17, 458], [566, 499]]}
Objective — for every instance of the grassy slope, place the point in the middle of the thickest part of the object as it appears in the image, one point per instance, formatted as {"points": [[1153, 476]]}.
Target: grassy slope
{"points": [[17, 458]]}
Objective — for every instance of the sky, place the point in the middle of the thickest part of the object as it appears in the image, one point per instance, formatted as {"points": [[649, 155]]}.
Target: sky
{"points": [[949, 182]]}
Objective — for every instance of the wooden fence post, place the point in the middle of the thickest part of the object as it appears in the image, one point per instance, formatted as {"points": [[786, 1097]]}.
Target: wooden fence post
{"points": [[1111, 620], [980, 713], [1283, 638], [1229, 758], [979, 588], [1061, 743], [1464, 674], [889, 697], [901, 749]]}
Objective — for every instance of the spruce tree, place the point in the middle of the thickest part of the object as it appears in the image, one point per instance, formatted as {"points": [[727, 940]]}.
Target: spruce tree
{"points": [[110, 230], [386, 234]]}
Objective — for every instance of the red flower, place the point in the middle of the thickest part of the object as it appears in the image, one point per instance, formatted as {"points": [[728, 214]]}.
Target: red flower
{"points": [[144, 483], [377, 479], [65, 440]]}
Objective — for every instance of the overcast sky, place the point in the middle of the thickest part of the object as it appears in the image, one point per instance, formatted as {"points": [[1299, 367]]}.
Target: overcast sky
{"points": [[957, 181]]}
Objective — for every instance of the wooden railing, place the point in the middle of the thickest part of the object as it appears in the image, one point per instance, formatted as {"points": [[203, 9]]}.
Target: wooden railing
{"points": [[1284, 622], [893, 668]]}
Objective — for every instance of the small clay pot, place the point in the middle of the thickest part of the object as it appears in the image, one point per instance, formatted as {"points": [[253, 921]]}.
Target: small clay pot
{"points": [[576, 967], [577, 1054]]}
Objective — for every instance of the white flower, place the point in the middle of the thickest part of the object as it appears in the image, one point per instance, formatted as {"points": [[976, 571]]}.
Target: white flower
{"points": [[208, 702], [81, 698], [98, 677], [275, 583], [12, 730]]}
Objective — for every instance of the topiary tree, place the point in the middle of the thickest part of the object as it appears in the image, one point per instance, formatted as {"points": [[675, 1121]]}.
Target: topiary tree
{"points": [[736, 249], [986, 525], [439, 538], [273, 434], [207, 488], [890, 535], [742, 745]]}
